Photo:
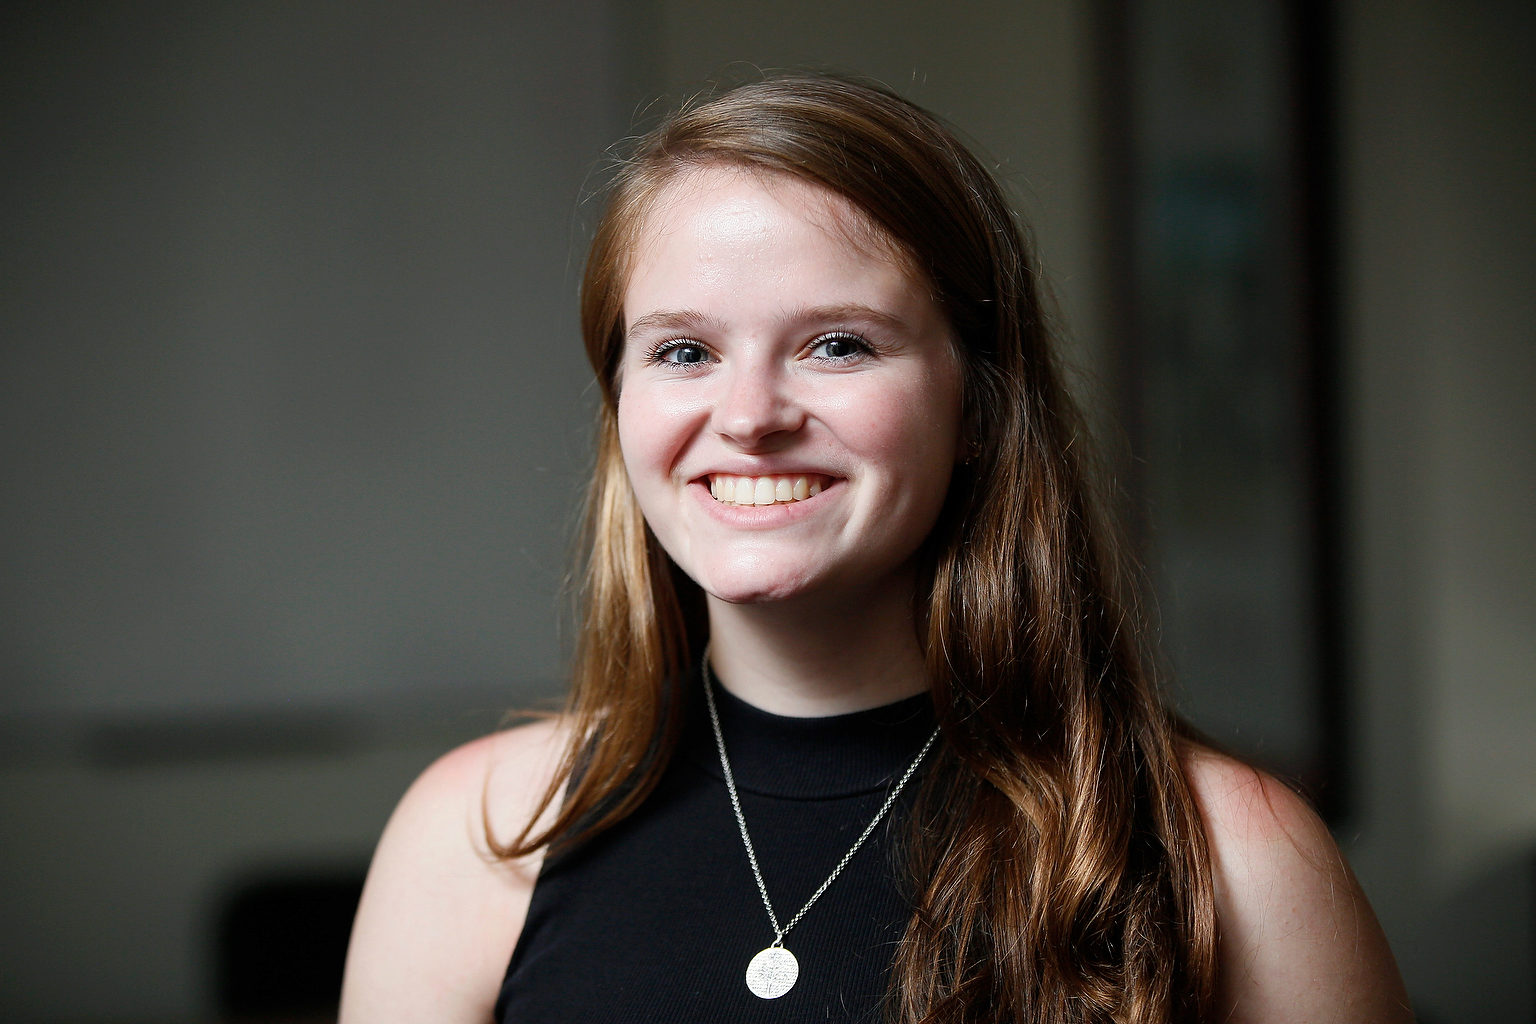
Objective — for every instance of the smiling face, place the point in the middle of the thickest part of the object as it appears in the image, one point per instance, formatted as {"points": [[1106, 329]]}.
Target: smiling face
{"points": [[789, 402]]}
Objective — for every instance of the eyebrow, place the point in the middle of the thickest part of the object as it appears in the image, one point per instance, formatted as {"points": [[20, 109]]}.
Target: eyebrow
{"points": [[849, 311], [688, 321]]}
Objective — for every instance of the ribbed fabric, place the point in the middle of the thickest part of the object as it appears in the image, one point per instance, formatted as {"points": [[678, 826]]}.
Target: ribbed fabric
{"points": [[655, 920]]}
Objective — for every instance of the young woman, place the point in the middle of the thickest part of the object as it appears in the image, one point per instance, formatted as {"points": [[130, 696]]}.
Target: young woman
{"points": [[860, 728]]}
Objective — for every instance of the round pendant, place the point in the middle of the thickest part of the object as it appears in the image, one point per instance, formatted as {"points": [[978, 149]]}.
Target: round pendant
{"points": [[772, 972]]}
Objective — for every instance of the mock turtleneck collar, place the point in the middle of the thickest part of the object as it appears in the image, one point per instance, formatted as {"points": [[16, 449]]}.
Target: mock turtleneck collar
{"points": [[807, 758]]}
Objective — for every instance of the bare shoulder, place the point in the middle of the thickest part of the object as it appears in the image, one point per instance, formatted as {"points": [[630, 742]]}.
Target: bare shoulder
{"points": [[1298, 940], [440, 913]]}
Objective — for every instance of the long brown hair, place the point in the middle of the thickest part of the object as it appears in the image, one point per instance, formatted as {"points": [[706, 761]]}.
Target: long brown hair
{"points": [[1060, 867]]}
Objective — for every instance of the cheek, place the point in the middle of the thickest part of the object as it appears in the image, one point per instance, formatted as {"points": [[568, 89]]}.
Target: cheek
{"points": [[661, 417], [637, 440], [652, 438], [916, 427]]}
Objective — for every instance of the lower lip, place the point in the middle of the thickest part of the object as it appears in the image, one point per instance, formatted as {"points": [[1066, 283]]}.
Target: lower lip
{"points": [[777, 514]]}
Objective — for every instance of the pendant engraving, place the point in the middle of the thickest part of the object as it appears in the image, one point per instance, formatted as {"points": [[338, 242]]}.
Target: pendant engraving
{"points": [[772, 972]]}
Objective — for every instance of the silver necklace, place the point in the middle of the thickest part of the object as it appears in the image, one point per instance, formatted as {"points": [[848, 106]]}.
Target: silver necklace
{"points": [[775, 970]]}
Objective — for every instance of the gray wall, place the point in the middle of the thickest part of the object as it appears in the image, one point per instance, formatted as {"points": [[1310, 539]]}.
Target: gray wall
{"points": [[294, 419], [288, 372], [1440, 255]]}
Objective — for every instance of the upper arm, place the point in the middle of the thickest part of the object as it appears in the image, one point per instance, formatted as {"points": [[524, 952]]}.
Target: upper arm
{"points": [[1298, 940], [439, 914]]}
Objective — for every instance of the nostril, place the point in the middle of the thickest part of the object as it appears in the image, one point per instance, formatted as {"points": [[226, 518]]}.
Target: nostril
{"points": [[755, 406], [751, 429]]}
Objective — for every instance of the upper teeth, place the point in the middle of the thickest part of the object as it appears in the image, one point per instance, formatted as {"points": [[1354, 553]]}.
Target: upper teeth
{"points": [[763, 490]]}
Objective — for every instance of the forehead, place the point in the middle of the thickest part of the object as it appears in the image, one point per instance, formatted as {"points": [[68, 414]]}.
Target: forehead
{"points": [[692, 187]]}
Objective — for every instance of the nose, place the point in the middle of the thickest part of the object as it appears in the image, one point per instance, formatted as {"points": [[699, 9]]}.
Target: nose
{"points": [[756, 408]]}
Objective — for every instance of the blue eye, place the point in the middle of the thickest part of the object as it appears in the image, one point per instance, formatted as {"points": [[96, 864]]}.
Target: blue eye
{"points": [[679, 352], [840, 347]]}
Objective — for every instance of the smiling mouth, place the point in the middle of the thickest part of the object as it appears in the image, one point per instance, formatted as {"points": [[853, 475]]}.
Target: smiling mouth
{"points": [[764, 490]]}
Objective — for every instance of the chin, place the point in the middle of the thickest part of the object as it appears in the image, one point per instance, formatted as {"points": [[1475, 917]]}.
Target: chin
{"points": [[743, 585], [757, 594]]}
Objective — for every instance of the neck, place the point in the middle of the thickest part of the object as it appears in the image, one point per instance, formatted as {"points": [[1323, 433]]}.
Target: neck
{"points": [[812, 658]]}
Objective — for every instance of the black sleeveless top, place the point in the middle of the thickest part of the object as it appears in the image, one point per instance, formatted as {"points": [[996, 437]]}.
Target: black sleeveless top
{"points": [[656, 919]]}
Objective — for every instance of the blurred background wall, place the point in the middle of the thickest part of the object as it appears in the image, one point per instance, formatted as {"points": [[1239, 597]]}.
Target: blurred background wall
{"points": [[295, 418]]}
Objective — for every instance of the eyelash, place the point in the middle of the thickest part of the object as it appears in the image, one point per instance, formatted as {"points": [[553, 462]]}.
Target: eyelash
{"points": [[861, 345], [658, 354]]}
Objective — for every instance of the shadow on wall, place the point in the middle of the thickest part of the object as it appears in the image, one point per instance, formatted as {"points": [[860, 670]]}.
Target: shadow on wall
{"points": [[281, 943]]}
